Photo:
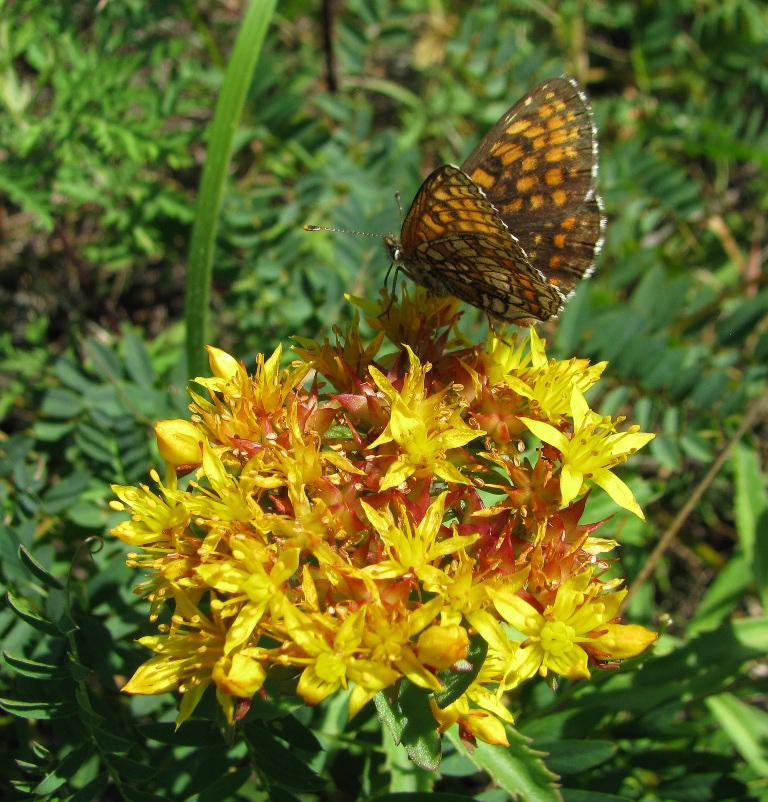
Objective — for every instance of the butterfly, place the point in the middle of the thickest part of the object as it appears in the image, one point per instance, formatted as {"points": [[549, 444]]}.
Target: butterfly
{"points": [[515, 227]]}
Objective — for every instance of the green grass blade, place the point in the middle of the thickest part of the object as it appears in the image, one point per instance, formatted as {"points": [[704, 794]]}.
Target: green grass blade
{"points": [[228, 110]]}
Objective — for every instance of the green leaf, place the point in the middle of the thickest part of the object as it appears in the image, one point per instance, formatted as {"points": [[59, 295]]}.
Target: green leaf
{"points": [[61, 404], [279, 763], [225, 787], [38, 710], [86, 708], [456, 682], [751, 508], [137, 360], [516, 768], [38, 571], [421, 796], [63, 495], [92, 790], [746, 726], [110, 742], [66, 770], [722, 596], [35, 670], [195, 732], [278, 794], [299, 736], [131, 770], [573, 757], [575, 795], [412, 724], [240, 69], [32, 617]]}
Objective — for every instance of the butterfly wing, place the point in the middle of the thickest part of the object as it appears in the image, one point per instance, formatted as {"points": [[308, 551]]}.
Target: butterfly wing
{"points": [[537, 167], [447, 203], [455, 243], [484, 271]]}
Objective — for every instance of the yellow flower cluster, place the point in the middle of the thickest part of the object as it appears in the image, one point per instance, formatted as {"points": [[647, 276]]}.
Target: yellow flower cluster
{"points": [[358, 517]]}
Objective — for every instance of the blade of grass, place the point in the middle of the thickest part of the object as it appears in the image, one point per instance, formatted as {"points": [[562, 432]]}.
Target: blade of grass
{"points": [[222, 131]]}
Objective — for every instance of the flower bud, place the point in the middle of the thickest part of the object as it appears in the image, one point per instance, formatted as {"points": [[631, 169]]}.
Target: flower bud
{"points": [[621, 641], [178, 442], [242, 676], [486, 727], [440, 647]]}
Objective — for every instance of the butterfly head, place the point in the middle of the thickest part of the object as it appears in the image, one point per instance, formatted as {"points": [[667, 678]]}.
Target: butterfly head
{"points": [[394, 249]]}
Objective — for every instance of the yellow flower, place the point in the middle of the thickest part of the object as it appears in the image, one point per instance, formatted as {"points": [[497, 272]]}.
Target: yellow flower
{"points": [[152, 520], [190, 657], [563, 636], [442, 646], [414, 549], [593, 450], [334, 656], [423, 426], [473, 723], [350, 539], [250, 586]]}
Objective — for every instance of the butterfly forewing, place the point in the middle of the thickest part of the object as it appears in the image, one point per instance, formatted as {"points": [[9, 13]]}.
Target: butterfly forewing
{"points": [[448, 203]]}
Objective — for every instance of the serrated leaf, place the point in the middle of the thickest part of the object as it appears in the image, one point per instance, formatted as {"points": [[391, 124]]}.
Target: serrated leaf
{"points": [[517, 768]]}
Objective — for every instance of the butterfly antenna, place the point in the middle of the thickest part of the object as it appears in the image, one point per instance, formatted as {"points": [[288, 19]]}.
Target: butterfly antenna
{"points": [[343, 231], [399, 206]]}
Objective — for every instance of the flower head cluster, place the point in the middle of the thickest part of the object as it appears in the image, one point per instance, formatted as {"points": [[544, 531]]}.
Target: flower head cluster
{"points": [[355, 518]]}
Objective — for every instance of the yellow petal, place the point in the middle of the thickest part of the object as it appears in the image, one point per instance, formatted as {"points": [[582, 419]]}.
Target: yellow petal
{"points": [[222, 364], [618, 491], [546, 433]]}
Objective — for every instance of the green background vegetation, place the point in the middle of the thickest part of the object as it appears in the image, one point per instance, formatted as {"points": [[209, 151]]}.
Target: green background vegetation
{"points": [[104, 110]]}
